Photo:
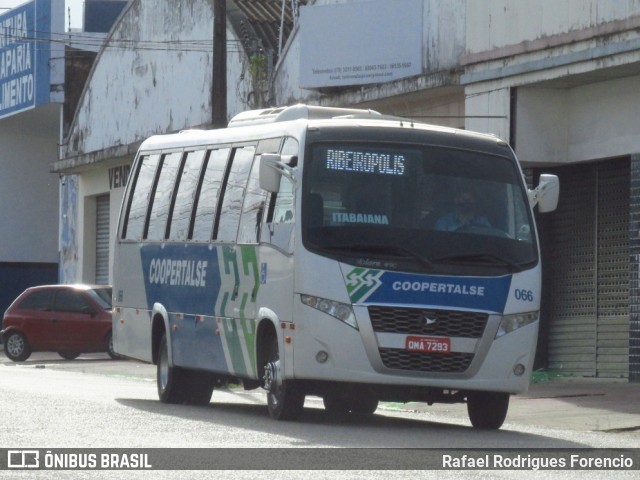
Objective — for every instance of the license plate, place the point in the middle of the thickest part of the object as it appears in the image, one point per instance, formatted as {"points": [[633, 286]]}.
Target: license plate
{"points": [[428, 344]]}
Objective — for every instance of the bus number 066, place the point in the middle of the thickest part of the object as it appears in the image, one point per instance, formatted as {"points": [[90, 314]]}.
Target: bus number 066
{"points": [[524, 295]]}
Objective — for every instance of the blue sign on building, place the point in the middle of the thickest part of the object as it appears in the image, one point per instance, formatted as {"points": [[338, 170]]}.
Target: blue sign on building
{"points": [[25, 51]]}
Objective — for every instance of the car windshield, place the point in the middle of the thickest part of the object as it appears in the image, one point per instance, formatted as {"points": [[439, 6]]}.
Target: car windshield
{"points": [[102, 296], [413, 207]]}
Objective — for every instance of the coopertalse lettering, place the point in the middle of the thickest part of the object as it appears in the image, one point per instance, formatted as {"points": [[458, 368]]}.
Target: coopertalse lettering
{"points": [[438, 287], [187, 273]]}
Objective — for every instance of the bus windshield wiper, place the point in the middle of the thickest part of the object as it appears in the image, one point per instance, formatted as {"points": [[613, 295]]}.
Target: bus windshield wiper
{"points": [[483, 257], [383, 249]]}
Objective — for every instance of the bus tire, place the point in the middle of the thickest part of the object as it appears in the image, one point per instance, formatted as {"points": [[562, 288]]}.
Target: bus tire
{"points": [[170, 380], [487, 410], [336, 405], [364, 405], [198, 387], [359, 405], [284, 401]]}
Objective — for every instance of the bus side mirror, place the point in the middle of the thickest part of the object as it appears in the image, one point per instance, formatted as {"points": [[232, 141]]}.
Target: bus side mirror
{"points": [[546, 194], [270, 172]]}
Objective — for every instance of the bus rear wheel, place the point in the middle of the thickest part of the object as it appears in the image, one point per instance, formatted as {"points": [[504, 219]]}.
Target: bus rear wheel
{"points": [[284, 401], [177, 385], [487, 410]]}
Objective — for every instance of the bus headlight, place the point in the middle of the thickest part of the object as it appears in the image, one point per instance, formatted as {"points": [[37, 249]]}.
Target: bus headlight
{"points": [[513, 322], [341, 311]]}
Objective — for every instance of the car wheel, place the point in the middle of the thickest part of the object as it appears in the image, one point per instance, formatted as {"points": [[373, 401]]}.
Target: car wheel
{"points": [[110, 349], [16, 346], [69, 355]]}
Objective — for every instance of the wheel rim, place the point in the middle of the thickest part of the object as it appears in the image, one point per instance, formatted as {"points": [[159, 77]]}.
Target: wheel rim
{"points": [[272, 381], [15, 345]]}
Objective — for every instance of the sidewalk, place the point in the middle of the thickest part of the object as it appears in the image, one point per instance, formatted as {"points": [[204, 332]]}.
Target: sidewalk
{"points": [[603, 405], [580, 404]]}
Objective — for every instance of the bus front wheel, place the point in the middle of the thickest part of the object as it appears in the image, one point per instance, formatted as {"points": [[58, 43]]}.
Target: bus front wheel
{"points": [[284, 401], [487, 410]]}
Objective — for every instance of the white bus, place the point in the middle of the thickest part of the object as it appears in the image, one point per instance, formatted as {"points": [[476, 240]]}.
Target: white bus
{"points": [[331, 252]]}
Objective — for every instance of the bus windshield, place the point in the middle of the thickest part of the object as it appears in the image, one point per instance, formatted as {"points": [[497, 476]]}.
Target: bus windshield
{"points": [[416, 208]]}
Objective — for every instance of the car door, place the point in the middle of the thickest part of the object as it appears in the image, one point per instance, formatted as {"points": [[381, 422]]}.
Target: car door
{"points": [[34, 314], [77, 328]]}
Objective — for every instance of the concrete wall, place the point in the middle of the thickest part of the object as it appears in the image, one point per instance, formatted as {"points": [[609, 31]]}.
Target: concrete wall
{"points": [[494, 24], [153, 76], [443, 43]]}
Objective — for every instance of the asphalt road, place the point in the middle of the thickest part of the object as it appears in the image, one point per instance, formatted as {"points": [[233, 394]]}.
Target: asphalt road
{"points": [[97, 403]]}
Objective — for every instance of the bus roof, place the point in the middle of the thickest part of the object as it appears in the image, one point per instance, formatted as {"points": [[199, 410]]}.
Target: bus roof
{"points": [[293, 121]]}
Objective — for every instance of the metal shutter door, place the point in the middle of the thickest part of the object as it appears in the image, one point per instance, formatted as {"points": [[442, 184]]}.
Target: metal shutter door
{"points": [[102, 239], [571, 276], [613, 269]]}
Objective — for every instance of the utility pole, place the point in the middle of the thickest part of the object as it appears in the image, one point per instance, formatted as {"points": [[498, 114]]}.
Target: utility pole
{"points": [[219, 80]]}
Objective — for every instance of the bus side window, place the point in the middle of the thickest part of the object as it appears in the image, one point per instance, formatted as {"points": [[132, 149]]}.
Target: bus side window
{"points": [[207, 195], [227, 228], [163, 194], [185, 196], [253, 209], [139, 198]]}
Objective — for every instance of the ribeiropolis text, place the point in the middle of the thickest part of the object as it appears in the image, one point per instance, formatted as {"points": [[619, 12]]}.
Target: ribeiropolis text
{"points": [[532, 462]]}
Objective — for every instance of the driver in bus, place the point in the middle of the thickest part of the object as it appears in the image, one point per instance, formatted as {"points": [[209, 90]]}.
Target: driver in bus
{"points": [[464, 214]]}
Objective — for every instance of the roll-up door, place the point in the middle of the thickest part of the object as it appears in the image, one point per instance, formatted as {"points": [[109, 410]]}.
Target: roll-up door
{"points": [[613, 269], [587, 271], [102, 239], [571, 263]]}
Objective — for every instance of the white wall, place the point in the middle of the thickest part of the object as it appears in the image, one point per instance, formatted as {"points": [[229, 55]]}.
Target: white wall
{"points": [[443, 43], [588, 122], [153, 76], [488, 112], [542, 125], [498, 23], [28, 192]]}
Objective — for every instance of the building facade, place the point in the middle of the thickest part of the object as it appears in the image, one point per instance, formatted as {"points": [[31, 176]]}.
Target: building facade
{"points": [[558, 80], [31, 97]]}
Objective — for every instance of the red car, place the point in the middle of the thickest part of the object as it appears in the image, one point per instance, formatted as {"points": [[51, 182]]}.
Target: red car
{"points": [[68, 319]]}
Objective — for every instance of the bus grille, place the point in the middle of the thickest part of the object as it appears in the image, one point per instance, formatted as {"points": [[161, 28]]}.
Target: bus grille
{"points": [[427, 322], [419, 321], [454, 362]]}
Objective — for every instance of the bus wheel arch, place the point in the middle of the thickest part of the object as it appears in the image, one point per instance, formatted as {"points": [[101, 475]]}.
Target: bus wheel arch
{"points": [[158, 330], [265, 334]]}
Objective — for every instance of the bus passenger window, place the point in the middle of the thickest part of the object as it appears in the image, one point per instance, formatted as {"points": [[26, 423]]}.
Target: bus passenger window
{"points": [[234, 193], [162, 196], [253, 209], [208, 195], [186, 189], [138, 203]]}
